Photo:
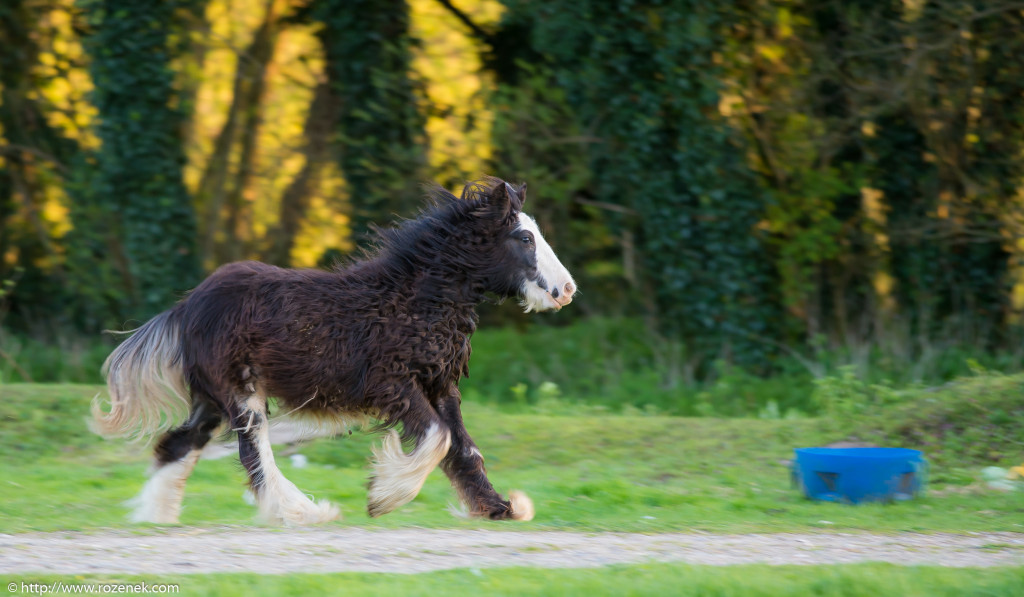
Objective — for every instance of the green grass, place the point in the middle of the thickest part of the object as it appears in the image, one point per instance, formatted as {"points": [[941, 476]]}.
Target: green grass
{"points": [[862, 580], [589, 472]]}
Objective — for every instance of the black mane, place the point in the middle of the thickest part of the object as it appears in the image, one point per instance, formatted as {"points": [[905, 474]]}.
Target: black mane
{"points": [[451, 239]]}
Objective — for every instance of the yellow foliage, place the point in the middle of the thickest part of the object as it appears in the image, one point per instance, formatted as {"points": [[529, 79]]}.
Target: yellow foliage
{"points": [[55, 212], [728, 103], [874, 207], [785, 23], [324, 226], [290, 86], [66, 87], [448, 60], [912, 9], [884, 283], [772, 52], [297, 67]]}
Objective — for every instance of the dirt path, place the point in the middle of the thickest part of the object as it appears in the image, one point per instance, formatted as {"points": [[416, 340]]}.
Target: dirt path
{"points": [[193, 550]]}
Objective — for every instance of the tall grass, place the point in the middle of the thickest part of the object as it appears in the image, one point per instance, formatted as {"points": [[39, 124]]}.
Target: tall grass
{"points": [[616, 364], [619, 363], [67, 359]]}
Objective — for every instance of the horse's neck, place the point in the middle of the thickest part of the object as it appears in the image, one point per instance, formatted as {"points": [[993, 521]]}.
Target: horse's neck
{"points": [[438, 282], [448, 296], [428, 292]]}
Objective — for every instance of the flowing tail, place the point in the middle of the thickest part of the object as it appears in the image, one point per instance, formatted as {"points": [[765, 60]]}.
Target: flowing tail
{"points": [[146, 381]]}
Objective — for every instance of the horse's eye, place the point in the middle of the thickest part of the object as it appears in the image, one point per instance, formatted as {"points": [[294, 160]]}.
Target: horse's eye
{"points": [[527, 238]]}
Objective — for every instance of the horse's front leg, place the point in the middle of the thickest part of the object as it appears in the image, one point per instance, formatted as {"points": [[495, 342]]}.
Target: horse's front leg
{"points": [[464, 465]]}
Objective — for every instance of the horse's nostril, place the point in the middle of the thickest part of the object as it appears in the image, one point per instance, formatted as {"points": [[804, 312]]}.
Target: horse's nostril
{"points": [[554, 293], [569, 289]]}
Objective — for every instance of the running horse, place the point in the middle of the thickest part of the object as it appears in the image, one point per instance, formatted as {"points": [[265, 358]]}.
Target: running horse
{"points": [[385, 337]]}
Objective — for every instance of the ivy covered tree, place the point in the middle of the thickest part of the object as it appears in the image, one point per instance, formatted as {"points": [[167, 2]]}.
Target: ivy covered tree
{"points": [[381, 138], [642, 76], [136, 230]]}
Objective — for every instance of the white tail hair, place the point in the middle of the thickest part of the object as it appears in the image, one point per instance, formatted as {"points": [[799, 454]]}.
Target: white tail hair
{"points": [[146, 382]]}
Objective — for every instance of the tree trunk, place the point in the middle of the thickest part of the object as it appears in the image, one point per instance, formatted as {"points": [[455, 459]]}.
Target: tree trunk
{"points": [[138, 200], [241, 126], [319, 127], [238, 225]]}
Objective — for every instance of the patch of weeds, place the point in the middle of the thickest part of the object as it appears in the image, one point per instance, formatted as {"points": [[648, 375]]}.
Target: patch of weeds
{"points": [[971, 421]]}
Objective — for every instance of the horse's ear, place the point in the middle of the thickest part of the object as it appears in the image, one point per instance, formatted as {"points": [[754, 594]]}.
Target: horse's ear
{"points": [[505, 201], [516, 197]]}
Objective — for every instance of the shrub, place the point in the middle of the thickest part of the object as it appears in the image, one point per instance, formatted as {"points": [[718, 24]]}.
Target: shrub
{"points": [[971, 420]]}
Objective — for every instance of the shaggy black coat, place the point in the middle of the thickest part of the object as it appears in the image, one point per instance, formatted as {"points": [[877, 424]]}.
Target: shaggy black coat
{"points": [[387, 335]]}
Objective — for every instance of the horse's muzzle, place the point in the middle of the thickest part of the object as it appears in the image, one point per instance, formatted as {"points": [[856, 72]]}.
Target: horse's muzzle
{"points": [[564, 297]]}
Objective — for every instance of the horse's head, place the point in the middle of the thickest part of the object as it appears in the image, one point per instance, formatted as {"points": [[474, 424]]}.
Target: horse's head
{"points": [[526, 265]]}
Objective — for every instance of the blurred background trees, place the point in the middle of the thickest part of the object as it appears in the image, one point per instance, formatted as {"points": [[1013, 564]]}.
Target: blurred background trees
{"points": [[744, 176]]}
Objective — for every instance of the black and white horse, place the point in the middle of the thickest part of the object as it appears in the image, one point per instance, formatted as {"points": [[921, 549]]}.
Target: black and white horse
{"points": [[385, 338]]}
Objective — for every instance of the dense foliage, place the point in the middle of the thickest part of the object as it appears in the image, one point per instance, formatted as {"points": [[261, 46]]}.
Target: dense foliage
{"points": [[882, 130], [641, 77], [745, 177]]}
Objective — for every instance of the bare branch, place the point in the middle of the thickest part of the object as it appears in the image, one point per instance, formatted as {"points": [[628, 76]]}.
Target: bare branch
{"points": [[608, 206], [14, 149], [14, 364], [479, 33]]}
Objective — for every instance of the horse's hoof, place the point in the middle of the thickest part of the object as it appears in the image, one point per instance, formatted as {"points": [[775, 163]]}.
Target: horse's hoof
{"points": [[521, 506], [302, 514]]}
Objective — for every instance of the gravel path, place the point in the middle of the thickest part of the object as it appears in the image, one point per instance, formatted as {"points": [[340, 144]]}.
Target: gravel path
{"points": [[193, 550]]}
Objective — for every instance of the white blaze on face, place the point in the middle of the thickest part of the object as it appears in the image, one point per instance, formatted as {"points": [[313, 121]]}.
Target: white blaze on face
{"points": [[559, 286]]}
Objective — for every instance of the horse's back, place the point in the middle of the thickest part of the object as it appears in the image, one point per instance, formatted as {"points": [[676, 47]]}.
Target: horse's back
{"points": [[221, 301], [236, 310]]}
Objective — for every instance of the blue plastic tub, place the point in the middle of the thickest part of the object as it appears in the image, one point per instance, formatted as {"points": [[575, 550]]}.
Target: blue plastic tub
{"points": [[856, 475]]}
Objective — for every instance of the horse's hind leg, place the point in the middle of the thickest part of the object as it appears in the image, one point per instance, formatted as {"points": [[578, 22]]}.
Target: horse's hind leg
{"points": [[278, 498], [397, 476], [464, 465], [176, 455]]}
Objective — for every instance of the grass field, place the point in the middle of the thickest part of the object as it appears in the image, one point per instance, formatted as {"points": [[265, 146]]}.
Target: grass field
{"points": [[589, 473]]}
